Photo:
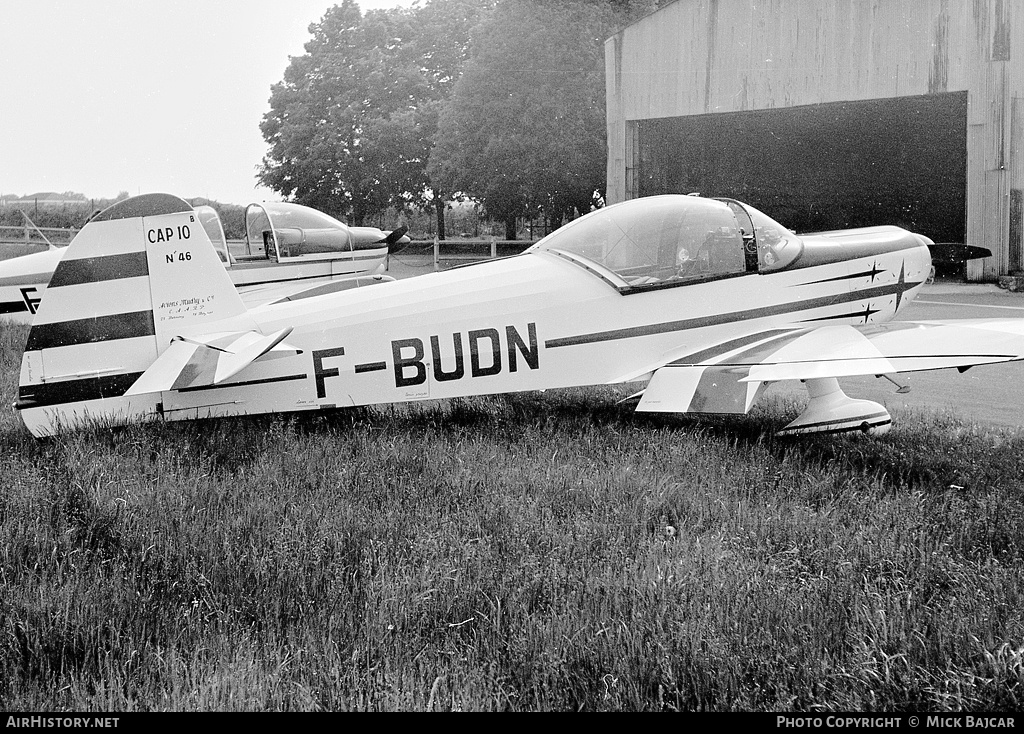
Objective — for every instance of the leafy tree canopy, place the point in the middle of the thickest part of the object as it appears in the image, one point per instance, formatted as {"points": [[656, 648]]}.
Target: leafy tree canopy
{"points": [[498, 100], [351, 123], [524, 129]]}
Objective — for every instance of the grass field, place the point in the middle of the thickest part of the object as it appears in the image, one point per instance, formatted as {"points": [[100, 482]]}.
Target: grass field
{"points": [[546, 551]]}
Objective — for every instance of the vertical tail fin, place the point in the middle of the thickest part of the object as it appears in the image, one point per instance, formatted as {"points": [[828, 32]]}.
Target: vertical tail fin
{"points": [[138, 274]]}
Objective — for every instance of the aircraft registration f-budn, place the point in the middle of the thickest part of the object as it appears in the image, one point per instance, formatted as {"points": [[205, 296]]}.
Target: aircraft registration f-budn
{"points": [[287, 247], [704, 300]]}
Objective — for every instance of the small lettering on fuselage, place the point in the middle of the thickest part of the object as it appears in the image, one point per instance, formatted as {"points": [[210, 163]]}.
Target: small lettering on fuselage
{"points": [[490, 353]]}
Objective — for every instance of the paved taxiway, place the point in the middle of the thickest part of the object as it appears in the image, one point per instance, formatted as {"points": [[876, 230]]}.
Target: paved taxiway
{"points": [[992, 394]]}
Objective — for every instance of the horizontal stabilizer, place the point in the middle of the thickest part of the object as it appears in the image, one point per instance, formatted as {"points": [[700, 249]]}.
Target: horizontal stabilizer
{"points": [[209, 360], [232, 363], [165, 370]]}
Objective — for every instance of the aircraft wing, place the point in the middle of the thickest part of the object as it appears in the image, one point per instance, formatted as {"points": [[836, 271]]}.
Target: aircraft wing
{"points": [[726, 378]]}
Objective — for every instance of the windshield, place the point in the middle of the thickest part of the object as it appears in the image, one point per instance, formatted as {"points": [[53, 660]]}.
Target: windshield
{"points": [[656, 240], [777, 246]]}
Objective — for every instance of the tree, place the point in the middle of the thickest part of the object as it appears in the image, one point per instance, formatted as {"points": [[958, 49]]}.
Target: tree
{"points": [[314, 121], [524, 129], [351, 124]]}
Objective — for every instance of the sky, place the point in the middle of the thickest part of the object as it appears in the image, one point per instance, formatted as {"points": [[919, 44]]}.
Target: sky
{"points": [[104, 96]]}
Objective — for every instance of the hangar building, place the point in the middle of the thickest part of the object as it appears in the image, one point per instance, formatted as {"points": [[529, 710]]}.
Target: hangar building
{"points": [[830, 113]]}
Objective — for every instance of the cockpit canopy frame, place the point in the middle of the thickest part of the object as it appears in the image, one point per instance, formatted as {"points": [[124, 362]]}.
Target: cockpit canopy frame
{"points": [[284, 232], [673, 240]]}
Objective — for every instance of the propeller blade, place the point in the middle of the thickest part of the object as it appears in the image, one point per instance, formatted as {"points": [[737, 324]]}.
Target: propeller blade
{"points": [[394, 239], [956, 252]]}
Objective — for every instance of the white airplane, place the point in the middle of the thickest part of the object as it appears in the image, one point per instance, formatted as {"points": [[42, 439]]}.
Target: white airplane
{"points": [[287, 246], [706, 301]]}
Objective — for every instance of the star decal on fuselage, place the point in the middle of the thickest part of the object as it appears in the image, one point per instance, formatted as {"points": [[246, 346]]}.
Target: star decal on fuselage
{"points": [[865, 314], [902, 284], [873, 273], [897, 289]]}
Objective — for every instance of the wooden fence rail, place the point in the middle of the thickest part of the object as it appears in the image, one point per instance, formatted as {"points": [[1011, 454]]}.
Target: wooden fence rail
{"points": [[28, 234], [445, 253], [462, 251]]}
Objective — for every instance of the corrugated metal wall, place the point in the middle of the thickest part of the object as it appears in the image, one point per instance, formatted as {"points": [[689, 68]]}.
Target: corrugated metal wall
{"points": [[708, 56]]}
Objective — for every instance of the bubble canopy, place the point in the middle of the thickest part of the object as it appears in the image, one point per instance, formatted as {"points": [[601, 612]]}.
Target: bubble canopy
{"points": [[673, 239], [286, 230]]}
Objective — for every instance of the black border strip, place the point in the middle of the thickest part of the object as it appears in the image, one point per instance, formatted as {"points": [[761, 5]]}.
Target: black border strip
{"points": [[328, 278], [109, 386], [75, 391], [246, 383], [13, 307]]}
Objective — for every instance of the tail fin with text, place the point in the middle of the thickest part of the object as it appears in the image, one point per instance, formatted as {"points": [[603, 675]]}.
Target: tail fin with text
{"points": [[140, 274]]}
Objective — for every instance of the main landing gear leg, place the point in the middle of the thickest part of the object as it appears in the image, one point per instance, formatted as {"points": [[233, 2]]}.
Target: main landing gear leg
{"points": [[830, 410]]}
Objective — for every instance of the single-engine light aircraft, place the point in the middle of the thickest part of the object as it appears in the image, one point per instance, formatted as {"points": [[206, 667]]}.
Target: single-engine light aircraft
{"points": [[287, 248], [704, 300]]}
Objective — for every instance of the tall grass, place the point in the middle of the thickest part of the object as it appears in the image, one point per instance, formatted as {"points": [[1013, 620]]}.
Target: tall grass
{"points": [[546, 551]]}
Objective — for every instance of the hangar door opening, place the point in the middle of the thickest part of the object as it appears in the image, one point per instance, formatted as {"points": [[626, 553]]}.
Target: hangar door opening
{"points": [[899, 161]]}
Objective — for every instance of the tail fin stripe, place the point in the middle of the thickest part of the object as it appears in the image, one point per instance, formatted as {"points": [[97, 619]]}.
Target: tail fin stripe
{"points": [[74, 391], [96, 269], [87, 331]]}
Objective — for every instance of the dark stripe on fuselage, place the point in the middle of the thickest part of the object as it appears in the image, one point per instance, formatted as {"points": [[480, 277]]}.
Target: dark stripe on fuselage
{"points": [[110, 386], [75, 391], [837, 299], [91, 330], [35, 279], [13, 307], [96, 269], [743, 341], [246, 383], [286, 279]]}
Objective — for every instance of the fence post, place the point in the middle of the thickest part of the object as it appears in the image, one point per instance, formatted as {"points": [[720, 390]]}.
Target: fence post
{"points": [[494, 248], [437, 253]]}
